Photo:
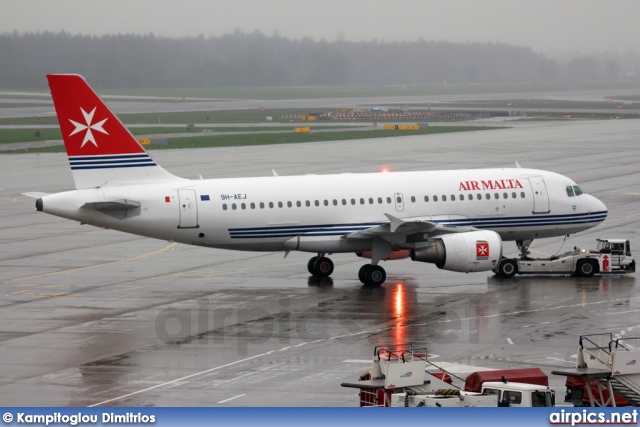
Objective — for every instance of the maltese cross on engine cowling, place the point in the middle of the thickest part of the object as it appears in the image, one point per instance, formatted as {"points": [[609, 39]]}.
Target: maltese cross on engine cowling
{"points": [[482, 249], [88, 136]]}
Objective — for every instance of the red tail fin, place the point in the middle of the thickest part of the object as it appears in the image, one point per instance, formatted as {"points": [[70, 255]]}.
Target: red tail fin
{"points": [[102, 152]]}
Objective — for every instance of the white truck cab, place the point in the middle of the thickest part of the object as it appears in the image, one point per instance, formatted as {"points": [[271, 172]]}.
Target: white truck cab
{"points": [[520, 394], [614, 247]]}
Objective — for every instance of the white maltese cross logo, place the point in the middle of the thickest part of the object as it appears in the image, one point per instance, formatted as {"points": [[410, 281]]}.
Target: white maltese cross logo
{"points": [[88, 136]]}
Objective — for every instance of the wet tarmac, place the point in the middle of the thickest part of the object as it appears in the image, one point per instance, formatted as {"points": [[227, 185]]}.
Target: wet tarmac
{"points": [[97, 317]]}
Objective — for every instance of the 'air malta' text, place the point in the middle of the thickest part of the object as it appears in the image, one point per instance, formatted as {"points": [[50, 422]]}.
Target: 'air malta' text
{"points": [[492, 184]]}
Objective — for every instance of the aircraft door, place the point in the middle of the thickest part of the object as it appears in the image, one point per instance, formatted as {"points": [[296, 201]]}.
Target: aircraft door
{"points": [[540, 195], [188, 209], [399, 201]]}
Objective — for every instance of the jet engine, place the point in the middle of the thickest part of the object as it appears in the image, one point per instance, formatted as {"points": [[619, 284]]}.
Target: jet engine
{"points": [[464, 252]]}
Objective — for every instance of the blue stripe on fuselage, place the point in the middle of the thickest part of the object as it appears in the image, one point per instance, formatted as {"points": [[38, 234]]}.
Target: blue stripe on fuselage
{"points": [[483, 223]]}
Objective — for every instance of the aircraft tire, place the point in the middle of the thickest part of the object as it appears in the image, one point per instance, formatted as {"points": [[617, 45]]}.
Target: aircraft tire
{"points": [[310, 264], [322, 267], [375, 276], [507, 268], [363, 271]]}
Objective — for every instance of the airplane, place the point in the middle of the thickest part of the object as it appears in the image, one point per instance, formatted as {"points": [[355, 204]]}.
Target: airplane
{"points": [[456, 219]]}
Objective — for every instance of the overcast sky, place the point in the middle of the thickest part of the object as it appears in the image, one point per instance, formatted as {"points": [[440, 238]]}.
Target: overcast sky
{"points": [[548, 26]]}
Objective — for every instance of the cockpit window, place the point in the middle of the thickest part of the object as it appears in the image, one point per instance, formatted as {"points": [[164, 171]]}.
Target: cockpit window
{"points": [[578, 190], [570, 191]]}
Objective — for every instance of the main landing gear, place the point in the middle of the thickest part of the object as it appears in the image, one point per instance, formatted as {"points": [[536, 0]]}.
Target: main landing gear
{"points": [[372, 275], [320, 266]]}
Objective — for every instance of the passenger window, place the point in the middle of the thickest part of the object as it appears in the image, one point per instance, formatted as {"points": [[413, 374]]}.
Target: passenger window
{"points": [[453, 198], [307, 203], [253, 205], [280, 204], [233, 206], [426, 198], [271, 205], [380, 200], [335, 202], [399, 199], [505, 195], [326, 202], [470, 196], [488, 196], [317, 202], [514, 195], [353, 201], [289, 204], [362, 201], [444, 198], [413, 199], [243, 206], [224, 207], [261, 205], [389, 200], [570, 191], [578, 190], [496, 195], [479, 196], [522, 194], [435, 198], [344, 202], [370, 200]]}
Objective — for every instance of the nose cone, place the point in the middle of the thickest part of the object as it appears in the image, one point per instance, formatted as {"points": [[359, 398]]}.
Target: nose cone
{"points": [[597, 208]]}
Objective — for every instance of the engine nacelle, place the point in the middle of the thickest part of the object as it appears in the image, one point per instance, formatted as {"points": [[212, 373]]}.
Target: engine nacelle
{"points": [[464, 252]]}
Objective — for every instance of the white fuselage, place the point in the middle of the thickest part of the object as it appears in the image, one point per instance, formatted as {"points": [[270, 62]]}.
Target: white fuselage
{"points": [[318, 211]]}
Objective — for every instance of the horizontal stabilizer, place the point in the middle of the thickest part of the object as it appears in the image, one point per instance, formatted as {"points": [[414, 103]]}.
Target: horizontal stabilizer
{"points": [[35, 194], [120, 209], [115, 205]]}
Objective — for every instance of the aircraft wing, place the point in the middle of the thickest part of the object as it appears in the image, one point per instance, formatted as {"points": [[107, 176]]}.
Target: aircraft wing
{"points": [[401, 227]]}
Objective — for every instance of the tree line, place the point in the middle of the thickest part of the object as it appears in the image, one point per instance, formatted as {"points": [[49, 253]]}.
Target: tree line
{"points": [[241, 59]]}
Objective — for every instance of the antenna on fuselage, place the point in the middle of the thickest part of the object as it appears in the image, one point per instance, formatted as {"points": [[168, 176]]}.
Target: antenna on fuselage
{"points": [[518, 165], [274, 172]]}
